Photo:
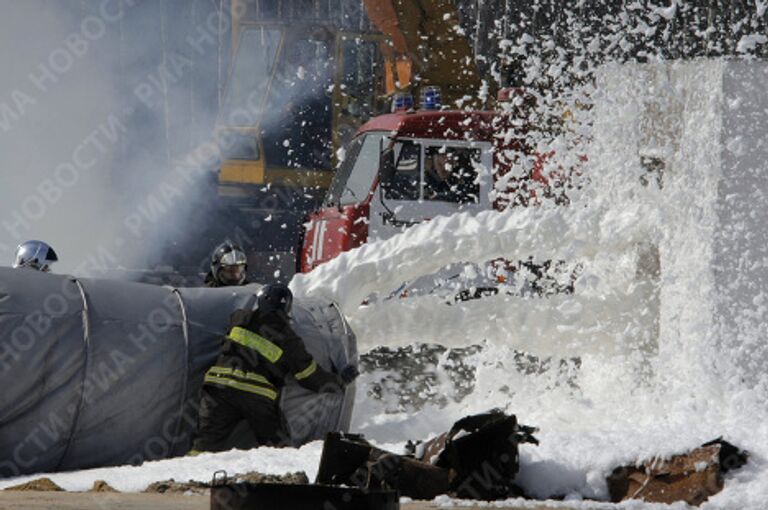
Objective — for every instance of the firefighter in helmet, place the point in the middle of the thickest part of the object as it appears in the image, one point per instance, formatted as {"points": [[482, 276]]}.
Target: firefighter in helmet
{"points": [[260, 350], [35, 255], [228, 266]]}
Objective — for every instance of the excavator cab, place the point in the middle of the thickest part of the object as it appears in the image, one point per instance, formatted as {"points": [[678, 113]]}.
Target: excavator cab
{"points": [[361, 90], [296, 94]]}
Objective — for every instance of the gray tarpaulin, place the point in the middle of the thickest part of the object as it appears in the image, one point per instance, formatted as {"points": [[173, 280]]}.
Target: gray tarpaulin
{"points": [[100, 372]]}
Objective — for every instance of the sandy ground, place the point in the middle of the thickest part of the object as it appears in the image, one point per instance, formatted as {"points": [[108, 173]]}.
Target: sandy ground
{"points": [[10, 500]]}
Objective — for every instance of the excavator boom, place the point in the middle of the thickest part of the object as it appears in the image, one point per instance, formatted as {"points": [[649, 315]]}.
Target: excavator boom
{"points": [[430, 48]]}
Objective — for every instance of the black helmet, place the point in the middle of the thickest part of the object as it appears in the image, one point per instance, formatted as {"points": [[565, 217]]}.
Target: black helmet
{"points": [[35, 255], [229, 264], [275, 297]]}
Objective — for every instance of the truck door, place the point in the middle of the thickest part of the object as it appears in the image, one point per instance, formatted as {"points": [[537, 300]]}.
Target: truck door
{"points": [[430, 178], [342, 223]]}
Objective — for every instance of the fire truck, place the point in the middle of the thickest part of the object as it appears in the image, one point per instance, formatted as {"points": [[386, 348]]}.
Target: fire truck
{"points": [[409, 166]]}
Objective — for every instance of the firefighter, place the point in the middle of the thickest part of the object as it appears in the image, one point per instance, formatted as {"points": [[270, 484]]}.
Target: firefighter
{"points": [[228, 266], [35, 255], [260, 350]]}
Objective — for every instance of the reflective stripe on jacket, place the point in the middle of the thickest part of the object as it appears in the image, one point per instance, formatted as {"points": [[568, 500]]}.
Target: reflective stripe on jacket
{"points": [[256, 342], [260, 351], [239, 380]]}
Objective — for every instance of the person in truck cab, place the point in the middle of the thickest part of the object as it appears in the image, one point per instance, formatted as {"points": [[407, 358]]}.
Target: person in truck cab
{"points": [[449, 176], [228, 266], [259, 352]]}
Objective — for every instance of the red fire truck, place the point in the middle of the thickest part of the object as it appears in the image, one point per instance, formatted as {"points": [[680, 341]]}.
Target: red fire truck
{"points": [[409, 166]]}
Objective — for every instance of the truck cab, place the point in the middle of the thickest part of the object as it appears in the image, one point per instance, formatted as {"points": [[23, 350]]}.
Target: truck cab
{"points": [[410, 166]]}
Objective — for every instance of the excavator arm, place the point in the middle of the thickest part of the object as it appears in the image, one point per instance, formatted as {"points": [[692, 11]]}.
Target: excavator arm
{"points": [[428, 45]]}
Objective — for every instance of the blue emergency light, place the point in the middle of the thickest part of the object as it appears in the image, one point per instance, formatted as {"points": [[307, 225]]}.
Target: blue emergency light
{"points": [[430, 98], [401, 102]]}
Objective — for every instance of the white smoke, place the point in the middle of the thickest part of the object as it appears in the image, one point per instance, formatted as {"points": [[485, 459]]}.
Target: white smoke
{"points": [[98, 104], [57, 133]]}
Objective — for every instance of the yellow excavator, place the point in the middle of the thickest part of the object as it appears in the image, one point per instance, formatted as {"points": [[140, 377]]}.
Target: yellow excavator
{"points": [[299, 89]]}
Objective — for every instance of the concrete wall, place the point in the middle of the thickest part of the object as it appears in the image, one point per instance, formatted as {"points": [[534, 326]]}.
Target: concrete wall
{"points": [[688, 142]]}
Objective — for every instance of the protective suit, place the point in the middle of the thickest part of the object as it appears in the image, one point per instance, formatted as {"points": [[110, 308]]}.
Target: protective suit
{"points": [[257, 355]]}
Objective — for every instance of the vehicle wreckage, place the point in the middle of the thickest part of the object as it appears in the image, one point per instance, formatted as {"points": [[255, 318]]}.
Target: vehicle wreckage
{"points": [[477, 459]]}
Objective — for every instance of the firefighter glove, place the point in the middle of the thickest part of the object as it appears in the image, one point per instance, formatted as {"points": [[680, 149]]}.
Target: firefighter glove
{"points": [[349, 374]]}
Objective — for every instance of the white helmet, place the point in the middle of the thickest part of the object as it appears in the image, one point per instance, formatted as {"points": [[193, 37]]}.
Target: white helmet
{"points": [[35, 255]]}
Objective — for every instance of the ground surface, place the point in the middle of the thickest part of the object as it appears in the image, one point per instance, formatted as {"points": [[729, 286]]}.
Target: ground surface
{"points": [[10, 500]]}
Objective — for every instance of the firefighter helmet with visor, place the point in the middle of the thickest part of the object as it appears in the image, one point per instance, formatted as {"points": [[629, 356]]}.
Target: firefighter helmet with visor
{"points": [[35, 255], [275, 297], [229, 264]]}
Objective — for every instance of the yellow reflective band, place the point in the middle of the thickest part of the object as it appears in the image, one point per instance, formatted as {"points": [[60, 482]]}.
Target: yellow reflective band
{"points": [[238, 373], [307, 371], [250, 388], [258, 343]]}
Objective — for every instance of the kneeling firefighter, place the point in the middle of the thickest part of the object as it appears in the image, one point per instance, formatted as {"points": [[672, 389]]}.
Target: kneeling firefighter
{"points": [[257, 354]]}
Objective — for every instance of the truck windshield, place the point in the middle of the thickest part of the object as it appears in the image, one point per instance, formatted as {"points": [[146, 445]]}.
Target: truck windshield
{"points": [[355, 175]]}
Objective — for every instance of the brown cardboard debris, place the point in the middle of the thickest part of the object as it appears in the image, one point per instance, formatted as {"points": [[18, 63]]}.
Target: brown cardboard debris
{"points": [[690, 477]]}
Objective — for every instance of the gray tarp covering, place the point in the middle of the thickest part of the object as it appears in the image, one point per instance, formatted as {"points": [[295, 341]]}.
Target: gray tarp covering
{"points": [[99, 372]]}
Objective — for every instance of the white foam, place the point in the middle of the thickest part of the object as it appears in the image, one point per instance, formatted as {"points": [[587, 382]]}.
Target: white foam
{"points": [[668, 361]]}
